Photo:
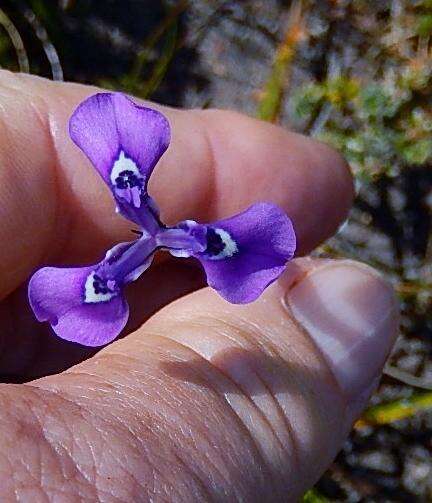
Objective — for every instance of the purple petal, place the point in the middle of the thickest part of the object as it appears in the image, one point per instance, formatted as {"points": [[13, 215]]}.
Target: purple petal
{"points": [[248, 251], [124, 141], [107, 124], [94, 324], [58, 295]]}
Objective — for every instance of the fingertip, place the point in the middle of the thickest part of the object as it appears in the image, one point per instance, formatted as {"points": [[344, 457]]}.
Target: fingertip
{"points": [[254, 160], [350, 312]]}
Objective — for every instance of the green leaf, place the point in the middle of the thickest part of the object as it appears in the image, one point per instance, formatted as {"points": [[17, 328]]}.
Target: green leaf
{"points": [[396, 410], [313, 496], [424, 25], [376, 102], [269, 105], [306, 100], [341, 90], [417, 153]]}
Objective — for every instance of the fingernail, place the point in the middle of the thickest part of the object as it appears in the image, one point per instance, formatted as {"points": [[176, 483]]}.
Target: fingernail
{"points": [[350, 313], [358, 403]]}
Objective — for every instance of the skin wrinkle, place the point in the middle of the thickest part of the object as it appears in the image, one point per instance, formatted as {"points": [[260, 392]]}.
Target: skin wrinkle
{"points": [[61, 448], [252, 341], [218, 394], [152, 466], [211, 194], [156, 473], [261, 334], [193, 472], [241, 390], [214, 464], [61, 223], [71, 456], [223, 396], [13, 474], [28, 472], [127, 426], [256, 343], [44, 444], [321, 409], [102, 434], [269, 343], [300, 384], [205, 494]]}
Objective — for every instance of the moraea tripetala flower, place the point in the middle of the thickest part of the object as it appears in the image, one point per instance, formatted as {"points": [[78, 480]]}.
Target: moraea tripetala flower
{"points": [[241, 255]]}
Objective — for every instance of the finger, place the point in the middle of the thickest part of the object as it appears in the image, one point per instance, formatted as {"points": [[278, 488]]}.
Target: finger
{"points": [[242, 403], [54, 207]]}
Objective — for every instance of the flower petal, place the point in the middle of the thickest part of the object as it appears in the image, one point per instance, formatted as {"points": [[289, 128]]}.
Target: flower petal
{"points": [[247, 252], [124, 141], [107, 124], [61, 296], [52, 291], [94, 324]]}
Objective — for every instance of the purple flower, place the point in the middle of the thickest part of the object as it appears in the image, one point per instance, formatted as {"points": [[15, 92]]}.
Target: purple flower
{"points": [[241, 255]]}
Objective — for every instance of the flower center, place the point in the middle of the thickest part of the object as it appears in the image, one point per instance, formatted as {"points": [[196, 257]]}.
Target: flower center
{"points": [[98, 289], [220, 244], [128, 179]]}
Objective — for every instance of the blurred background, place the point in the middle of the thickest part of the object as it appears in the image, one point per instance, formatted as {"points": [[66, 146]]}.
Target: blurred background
{"points": [[354, 73]]}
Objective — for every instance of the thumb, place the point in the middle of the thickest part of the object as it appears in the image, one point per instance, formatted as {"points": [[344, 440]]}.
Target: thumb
{"points": [[295, 368], [214, 402]]}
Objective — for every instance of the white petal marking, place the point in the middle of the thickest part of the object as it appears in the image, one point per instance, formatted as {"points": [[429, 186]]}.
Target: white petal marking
{"points": [[123, 163], [179, 253], [230, 245], [90, 296]]}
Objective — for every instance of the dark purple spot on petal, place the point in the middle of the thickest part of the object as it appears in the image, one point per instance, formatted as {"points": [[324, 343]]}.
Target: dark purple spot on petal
{"points": [[215, 244], [127, 179], [100, 285]]}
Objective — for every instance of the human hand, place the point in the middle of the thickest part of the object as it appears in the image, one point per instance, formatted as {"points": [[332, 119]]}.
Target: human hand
{"points": [[203, 401]]}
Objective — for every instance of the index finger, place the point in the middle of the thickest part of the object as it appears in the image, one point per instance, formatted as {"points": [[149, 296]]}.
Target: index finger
{"points": [[54, 208]]}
